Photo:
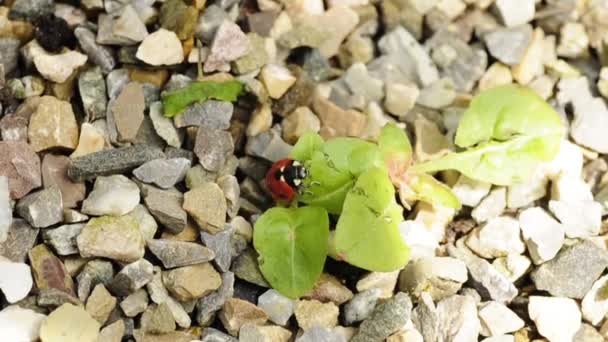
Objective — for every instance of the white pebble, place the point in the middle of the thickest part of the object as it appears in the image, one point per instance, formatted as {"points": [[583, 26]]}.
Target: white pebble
{"points": [[544, 236], [556, 318]]}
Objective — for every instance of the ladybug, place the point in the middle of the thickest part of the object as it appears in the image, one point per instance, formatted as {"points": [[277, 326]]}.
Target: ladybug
{"points": [[284, 179]]}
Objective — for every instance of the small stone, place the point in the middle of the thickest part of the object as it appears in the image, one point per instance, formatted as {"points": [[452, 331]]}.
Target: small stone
{"points": [[147, 224], [595, 303], [522, 194], [491, 206], [399, 42], [300, 121], [329, 289], [438, 276], [210, 20], [124, 28], [164, 126], [159, 294], [587, 333], [93, 273], [580, 219], [257, 57], [278, 307], [21, 165], [438, 94], [558, 319], [277, 79], [255, 333], [499, 237], [192, 282], [589, 113], [237, 313], [207, 205], [572, 272], [112, 237], [320, 334], [20, 324], [514, 14], [20, 239], [220, 244], [100, 304], [337, 122], [385, 320], [509, 45], [469, 191], [176, 16], [102, 200], [246, 267], [213, 302], [41, 209], [53, 125], [16, 280], [458, 319], [63, 238], [491, 284], [211, 114], [342, 21], [400, 98], [98, 54], [543, 235], [69, 323], [229, 44], [113, 332], [531, 64], [135, 303], [268, 145], [128, 111], [157, 319], [573, 40], [361, 83], [91, 140], [48, 270], [111, 161], [161, 48], [361, 306], [214, 335], [512, 266], [497, 74], [425, 319], [385, 281], [58, 68], [178, 253], [166, 207], [132, 277], [311, 313], [92, 88], [10, 53], [496, 319], [213, 147], [163, 172], [54, 174]]}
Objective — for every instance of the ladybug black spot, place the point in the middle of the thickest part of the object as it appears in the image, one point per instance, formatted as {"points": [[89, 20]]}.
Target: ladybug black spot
{"points": [[53, 33]]}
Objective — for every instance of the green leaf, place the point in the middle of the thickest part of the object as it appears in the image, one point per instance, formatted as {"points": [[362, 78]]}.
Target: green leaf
{"points": [[174, 102], [367, 234], [508, 130], [396, 151], [306, 145], [432, 191], [292, 243], [333, 169]]}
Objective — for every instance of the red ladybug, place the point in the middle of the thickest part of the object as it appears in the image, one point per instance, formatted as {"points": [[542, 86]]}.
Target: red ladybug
{"points": [[284, 179]]}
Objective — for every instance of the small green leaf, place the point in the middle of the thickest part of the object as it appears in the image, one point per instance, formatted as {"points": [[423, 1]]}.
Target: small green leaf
{"points": [[292, 243], [367, 234], [333, 169], [508, 130], [306, 145], [432, 191], [176, 101], [396, 151]]}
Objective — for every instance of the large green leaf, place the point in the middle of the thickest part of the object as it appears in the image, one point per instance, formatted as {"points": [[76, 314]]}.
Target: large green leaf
{"points": [[307, 144], [292, 243], [333, 169], [507, 131], [367, 234], [174, 102]]}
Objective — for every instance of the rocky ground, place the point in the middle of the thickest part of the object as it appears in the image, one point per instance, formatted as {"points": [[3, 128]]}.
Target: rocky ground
{"points": [[119, 224]]}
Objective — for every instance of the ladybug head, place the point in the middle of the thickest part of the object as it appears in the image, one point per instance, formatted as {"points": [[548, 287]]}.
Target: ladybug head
{"points": [[284, 178]]}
